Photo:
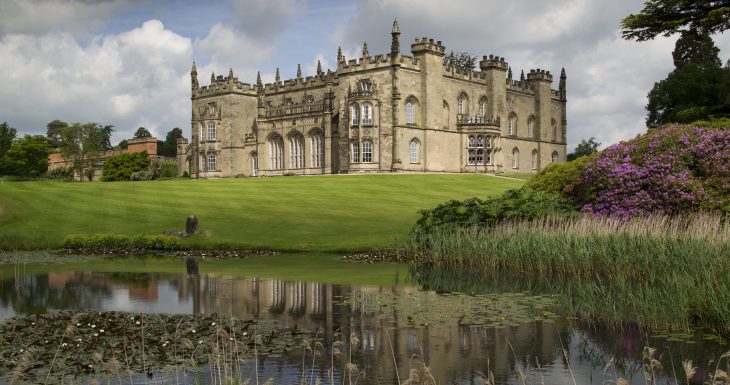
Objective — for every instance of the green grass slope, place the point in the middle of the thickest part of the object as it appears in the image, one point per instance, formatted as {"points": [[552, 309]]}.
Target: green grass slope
{"points": [[286, 213]]}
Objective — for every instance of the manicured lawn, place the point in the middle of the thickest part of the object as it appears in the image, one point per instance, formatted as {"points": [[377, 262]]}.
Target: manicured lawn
{"points": [[285, 213]]}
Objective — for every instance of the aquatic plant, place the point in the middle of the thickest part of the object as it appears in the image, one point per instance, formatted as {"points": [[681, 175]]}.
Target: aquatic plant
{"points": [[659, 270]]}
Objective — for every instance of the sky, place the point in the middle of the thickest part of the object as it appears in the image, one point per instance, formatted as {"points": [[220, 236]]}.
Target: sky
{"points": [[127, 62]]}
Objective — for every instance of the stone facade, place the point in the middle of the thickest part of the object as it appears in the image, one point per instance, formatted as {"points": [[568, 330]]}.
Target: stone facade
{"points": [[382, 113]]}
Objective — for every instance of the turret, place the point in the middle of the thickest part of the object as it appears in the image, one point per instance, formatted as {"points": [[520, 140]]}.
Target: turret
{"points": [[365, 52], [319, 67], [494, 70], [194, 78], [277, 80], [299, 72], [340, 58], [395, 40], [426, 45], [540, 80], [562, 89]]}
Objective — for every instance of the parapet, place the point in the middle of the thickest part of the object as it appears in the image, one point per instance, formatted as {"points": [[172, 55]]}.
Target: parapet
{"points": [[540, 75], [493, 62], [427, 45]]}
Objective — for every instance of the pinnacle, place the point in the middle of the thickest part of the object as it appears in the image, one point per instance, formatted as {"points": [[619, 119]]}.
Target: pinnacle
{"points": [[299, 71], [396, 28]]}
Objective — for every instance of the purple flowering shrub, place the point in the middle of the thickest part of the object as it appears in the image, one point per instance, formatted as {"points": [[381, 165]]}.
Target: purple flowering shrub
{"points": [[673, 169]]}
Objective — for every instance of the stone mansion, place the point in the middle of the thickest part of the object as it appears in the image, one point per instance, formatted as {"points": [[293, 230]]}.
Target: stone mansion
{"points": [[382, 113]]}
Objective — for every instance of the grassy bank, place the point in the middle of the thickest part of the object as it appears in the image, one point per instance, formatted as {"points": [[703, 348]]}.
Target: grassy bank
{"points": [[655, 271], [287, 213]]}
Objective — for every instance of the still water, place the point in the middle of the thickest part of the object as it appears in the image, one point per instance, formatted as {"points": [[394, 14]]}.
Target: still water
{"points": [[393, 322]]}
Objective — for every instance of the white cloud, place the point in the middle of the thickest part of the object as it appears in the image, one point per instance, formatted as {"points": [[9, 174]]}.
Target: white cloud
{"points": [[136, 78], [608, 78], [226, 47], [311, 68]]}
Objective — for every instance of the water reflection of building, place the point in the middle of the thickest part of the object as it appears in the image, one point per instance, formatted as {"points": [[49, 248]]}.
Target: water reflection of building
{"points": [[315, 306]]}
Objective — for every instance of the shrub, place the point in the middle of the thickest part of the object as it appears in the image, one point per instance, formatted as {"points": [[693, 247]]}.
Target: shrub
{"points": [[522, 204], [185, 174], [673, 169], [561, 178], [148, 174], [122, 166], [106, 242], [168, 170], [61, 173]]}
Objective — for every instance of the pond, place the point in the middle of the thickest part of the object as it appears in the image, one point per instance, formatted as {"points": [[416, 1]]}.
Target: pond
{"points": [[314, 313]]}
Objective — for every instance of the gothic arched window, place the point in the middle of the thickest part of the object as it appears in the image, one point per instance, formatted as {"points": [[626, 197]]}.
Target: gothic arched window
{"points": [[317, 149], [415, 149], [276, 152], [515, 158], [296, 151]]}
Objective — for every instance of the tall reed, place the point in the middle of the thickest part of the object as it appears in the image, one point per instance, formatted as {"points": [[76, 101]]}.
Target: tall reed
{"points": [[658, 270]]}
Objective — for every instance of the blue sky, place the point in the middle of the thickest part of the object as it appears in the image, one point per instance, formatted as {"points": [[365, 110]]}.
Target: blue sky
{"points": [[127, 62]]}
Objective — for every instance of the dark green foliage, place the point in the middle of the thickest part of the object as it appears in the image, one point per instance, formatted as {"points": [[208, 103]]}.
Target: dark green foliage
{"points": [[698, 88], [61, 173], [123, 145], [121, 167], [585, 147], [560, 178], [463, 60], [7, 135], [667, 17], [142, 133], [168, 147], [521, 204], [28, 156], [110, 242], [106, 137], [696, 48], [54, 130]]}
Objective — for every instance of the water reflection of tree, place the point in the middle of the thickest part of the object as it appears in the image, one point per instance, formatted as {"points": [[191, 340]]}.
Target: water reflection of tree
{"points": [[33, 294]]}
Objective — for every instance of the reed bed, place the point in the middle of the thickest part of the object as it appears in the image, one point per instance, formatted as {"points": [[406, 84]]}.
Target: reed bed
{"points": [[591, 248], [659, 271]]}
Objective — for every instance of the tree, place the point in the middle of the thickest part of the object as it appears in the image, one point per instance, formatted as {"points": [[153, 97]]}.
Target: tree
{"points": [[7, 135], [697, 88], [463, 60], [142, 133], [106, 141], [168, 148], [122, 145], [28, 156], [54, 130], [667, 17], [585, 147], [82, 144]]}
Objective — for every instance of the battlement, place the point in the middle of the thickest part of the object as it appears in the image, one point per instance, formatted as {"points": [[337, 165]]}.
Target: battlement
{"points": [[364, 63], [223, 85], [493, 62], [426, 45], [298, 84], [539, 75], [519, 86]]}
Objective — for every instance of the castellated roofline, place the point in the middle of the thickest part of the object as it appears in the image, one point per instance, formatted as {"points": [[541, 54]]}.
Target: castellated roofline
{"points": [[366, 63]]}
